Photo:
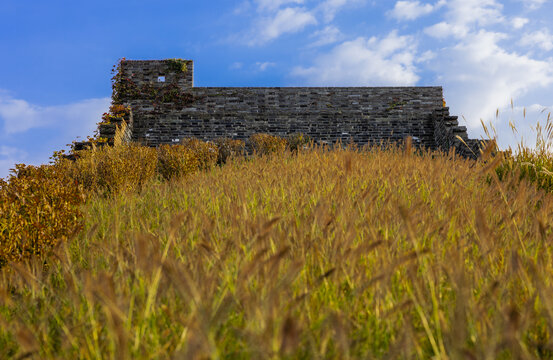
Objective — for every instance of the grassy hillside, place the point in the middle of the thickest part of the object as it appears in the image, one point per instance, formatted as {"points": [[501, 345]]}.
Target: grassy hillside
{"points": [[320, 254]]}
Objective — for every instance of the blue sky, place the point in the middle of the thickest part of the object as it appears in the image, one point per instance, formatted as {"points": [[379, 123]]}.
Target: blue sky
{"points": [[57, 56]]}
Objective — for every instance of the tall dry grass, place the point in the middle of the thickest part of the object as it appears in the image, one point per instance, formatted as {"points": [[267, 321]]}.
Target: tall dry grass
{"points": [[40, 206], [112, 169], [322, 254], [531, 162], [535, 164], [265, 144]]}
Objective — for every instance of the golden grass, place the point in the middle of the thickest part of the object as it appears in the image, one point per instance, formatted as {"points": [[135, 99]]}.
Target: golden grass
{"points": [[39, 207], [534, 164], [176, 161], [264, 144], [322, 254]]}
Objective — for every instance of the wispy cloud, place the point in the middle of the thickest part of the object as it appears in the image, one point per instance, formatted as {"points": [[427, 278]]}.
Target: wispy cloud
{"points": [[541, 39], [288, 20], [481, 76], [41, 129], [271, 5], [328, 35], [533, 4], [475, 12], [411, 10], [524, 118], [19, 115], [519, 22], [464, 16], [329, 8], [479, 70], [274, 18], [262, 66], [365, 62], [9, 156]]}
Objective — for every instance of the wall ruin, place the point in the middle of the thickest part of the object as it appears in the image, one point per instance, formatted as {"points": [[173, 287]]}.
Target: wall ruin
{"points": [[166, 107]]}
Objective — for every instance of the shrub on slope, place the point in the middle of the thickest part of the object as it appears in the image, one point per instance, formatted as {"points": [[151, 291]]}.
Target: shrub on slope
{"points": [[39, 207]]}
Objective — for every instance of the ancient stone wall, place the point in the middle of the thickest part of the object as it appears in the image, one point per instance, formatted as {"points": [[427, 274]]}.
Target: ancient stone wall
{"points": [[363, 115], [166, 108], [158, 73]]}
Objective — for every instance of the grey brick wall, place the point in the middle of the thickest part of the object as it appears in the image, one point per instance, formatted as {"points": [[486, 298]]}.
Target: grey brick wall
{"points": [[148, 72], [364, 115]]}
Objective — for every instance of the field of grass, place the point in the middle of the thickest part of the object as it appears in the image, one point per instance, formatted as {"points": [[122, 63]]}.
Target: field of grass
{"points": [[317, 254]]}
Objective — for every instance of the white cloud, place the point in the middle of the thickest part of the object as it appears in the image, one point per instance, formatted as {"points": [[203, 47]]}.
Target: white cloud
{"points": [[443, 30], [426, 56], [329, 8], [9, 156], [464, 16], [329, 35], [30, 133], [262, 66], [273, 18], [519, 22], [542, 39], [242, 8], [524, 120], [6, 151], [288, 20], [20, 116], [410, 10], [480, 72], [533, 4], [480, 76], [480, 12], [272, 5], [365, 62]]}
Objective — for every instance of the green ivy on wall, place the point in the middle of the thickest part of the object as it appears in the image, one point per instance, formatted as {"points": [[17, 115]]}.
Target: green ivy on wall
{"points": [[176, 65], [125, 88]]}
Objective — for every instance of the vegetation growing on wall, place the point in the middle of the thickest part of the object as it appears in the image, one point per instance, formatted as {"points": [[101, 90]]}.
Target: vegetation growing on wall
{"points": [[124, 88], [396, 104], [120, 85], [116, 111], [176, 65]]}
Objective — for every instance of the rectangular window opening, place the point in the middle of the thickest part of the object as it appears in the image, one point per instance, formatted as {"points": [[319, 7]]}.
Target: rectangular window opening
{"points": [[161, 79]]}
